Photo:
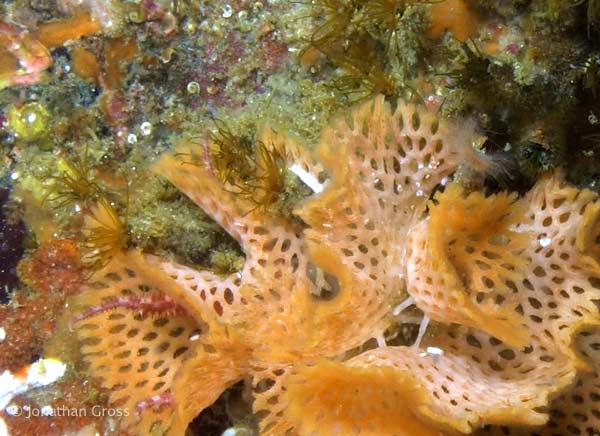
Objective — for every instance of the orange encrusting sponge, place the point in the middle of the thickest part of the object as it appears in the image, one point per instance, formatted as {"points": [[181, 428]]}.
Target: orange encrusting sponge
{"points": [[85, 64], [55, 33], [454, 16]]}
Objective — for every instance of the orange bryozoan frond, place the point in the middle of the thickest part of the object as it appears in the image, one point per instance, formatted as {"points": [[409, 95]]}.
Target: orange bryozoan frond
{"points": [[463, 260], [475, 234], [508, 282], [333, 399]]}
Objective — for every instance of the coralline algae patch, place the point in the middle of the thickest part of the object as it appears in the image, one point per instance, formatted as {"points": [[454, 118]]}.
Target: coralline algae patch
{"points": [[54, 270], [507, 283], [43, 397]]}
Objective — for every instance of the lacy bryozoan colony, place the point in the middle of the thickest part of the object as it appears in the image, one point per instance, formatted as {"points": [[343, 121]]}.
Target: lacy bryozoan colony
{"points": [[508, 283]]}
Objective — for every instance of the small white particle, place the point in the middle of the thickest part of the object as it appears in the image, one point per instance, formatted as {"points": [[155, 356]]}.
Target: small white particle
{"points": [[435, 351], [544, 242], [419, 193], [14, 176], [47, 411], [306, 177], [2, 334], [146, 128], [227, 11], [195, 337], [444, 181], [229, 432], [132, 138], [193, 88]]}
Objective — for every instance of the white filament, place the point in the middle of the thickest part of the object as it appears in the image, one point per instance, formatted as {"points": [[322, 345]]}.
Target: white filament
{"points": [[306, 177]]}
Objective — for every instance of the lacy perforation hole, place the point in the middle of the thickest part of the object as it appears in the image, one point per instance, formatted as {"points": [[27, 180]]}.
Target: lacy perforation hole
{"points": [[269, 397]]}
